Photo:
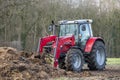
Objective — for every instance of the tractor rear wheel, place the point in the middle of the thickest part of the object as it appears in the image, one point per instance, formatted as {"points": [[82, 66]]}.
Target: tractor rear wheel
{"points": [[74, 60], [97, 57]]}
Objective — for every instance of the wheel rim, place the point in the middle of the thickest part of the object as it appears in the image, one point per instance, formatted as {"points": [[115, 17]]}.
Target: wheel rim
{"points": [[76, 61], [100, 56]]}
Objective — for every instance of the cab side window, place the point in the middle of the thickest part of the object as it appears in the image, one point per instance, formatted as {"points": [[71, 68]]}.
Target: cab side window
{"points": [[84, 33]]}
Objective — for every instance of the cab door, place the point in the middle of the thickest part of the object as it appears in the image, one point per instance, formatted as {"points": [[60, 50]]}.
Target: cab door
{"points": [[84, 34]]}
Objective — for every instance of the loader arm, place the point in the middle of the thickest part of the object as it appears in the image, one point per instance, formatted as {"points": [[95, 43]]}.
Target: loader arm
{"points": [[43, 41], [62, 44]]}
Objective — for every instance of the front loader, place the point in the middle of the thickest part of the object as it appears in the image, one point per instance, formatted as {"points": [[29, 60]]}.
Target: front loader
{"points": [[74, 45]]}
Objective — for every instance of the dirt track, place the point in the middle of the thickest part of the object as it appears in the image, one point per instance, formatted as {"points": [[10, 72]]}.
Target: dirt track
{"points": [[16, 65], [112, 72]]}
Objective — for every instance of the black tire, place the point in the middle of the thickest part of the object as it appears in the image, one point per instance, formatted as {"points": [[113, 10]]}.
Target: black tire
{"points": [[72, 58], [97, 58], [61, 62]]}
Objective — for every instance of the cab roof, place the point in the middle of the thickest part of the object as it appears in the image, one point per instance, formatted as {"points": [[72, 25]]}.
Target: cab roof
{"points": [[80, 21]]}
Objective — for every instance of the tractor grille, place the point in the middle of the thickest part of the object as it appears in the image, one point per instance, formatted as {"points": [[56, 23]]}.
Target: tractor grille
{"points": [[48, 49]]}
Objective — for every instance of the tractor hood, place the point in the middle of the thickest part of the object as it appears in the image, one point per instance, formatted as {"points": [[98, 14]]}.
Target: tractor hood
{"points": [[64, 40], [64, 37]]}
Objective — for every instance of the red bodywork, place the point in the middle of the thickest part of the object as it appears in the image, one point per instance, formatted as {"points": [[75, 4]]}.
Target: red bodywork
{"points": [[90, 43], [60, 45], [43, 41], [63, 44]]}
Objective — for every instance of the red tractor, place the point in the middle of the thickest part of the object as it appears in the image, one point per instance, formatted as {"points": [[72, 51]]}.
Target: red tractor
{"points": [[74, 46]]}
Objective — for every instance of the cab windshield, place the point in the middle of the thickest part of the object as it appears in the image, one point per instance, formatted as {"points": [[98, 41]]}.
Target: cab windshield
{"points": [[69, 29]]}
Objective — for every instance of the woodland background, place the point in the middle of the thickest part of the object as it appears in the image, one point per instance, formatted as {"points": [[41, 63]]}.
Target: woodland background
{"points": [[23, 22]]}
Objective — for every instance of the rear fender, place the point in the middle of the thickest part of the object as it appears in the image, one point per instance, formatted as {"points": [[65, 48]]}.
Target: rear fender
{"points": [[91, 42]]}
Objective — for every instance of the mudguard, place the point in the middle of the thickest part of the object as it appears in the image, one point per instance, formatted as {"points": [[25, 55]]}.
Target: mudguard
{"points": [[90, 43]]}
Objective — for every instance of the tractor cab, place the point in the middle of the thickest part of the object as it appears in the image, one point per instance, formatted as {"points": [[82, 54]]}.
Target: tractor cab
{"points": [[81, 29]]}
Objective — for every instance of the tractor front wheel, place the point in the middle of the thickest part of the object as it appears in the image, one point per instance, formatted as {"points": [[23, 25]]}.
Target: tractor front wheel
{"points": [[97, 57], [74, 60]]}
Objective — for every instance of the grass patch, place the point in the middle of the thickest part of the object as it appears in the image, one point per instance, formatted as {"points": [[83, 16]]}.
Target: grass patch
{"points": [[113, 60]]}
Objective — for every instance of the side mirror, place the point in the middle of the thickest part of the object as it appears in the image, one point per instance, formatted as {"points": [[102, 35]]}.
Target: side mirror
{"points": [[50, 28]]}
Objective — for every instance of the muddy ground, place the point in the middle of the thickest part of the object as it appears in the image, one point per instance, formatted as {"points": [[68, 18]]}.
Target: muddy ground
{"points": [[19, 65]]}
